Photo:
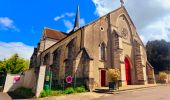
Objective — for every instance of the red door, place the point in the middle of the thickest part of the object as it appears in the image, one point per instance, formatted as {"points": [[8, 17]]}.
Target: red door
{"points": [[127, 71], [103, 78]]}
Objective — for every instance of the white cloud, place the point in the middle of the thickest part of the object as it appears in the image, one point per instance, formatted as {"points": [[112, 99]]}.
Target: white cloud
{"points": [[58, 17], [150, 17], [8, 49], [157, 30], [68, 24], [105, 6], [7, 23], [63, 16], [70, 14]]}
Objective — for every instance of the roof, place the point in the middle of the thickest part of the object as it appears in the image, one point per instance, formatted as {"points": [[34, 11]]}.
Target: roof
{"points": [[54, 34]]}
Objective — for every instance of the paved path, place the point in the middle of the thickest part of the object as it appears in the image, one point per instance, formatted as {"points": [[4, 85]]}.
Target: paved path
{"points": [[4, 96], [155, 93]]}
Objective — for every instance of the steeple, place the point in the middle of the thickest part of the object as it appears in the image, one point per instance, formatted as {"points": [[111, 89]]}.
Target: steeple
{"points": [[77, 20]]}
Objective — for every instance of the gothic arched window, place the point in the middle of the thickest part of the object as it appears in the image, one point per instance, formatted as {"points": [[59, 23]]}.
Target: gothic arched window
{"points": [[102, 51]]}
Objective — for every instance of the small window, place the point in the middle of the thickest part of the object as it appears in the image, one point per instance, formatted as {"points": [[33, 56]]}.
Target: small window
{"points": [[101, 28]]}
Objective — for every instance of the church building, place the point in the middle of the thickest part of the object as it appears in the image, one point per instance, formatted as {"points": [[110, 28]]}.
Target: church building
{"points": [[86, 53]]}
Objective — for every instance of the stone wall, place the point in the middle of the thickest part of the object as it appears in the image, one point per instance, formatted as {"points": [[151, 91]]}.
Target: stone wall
{"points": [[27, 80]]}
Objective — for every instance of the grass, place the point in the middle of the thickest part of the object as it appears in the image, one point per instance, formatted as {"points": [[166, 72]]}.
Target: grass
{"points": [[69, 90]]}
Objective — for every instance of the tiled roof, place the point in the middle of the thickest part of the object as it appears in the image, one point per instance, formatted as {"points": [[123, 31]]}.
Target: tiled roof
{"points": [[54, 34]]}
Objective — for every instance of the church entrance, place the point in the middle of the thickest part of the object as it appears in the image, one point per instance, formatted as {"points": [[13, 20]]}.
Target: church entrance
{"points": [[127, 71], [103, 78]]}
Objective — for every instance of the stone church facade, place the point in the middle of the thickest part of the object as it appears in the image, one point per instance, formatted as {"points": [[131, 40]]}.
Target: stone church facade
{"points": [[87, 53]]}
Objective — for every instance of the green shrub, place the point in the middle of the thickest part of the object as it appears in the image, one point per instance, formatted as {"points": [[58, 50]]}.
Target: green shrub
{"points": [[56, 92], [23, 92], [46, 93], [69, 90], [80, 89], [162, 77]]}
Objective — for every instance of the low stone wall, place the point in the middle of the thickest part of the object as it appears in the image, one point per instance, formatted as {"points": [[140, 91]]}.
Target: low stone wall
{"points": [[11, 84], [13, 81]]}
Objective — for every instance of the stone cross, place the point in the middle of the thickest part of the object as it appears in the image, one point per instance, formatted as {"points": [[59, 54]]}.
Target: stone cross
{"points": [[122, 2]]}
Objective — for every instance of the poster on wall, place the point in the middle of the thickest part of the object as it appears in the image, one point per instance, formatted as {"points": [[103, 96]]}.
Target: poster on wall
{"points": [[16, 78]]}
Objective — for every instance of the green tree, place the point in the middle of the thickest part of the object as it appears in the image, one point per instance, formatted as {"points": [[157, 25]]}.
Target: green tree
{"points": [[158, 53], [13, 65]]}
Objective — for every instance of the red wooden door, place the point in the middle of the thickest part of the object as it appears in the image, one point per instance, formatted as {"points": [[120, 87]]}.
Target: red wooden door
{"points": [[103, 78], [127, 71]]}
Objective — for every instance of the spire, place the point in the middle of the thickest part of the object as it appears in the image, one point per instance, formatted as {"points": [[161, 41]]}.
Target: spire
{"points": [[77, 20]]}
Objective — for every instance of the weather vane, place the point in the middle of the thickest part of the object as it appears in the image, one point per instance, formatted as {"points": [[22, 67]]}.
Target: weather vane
{"points": [[122, 2]]}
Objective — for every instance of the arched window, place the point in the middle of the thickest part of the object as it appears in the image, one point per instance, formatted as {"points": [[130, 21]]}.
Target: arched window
{"points": [[102, 51]]}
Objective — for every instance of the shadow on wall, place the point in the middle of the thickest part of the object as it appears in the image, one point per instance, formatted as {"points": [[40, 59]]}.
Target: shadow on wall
{"points": [[14, 81], [83, 71]]}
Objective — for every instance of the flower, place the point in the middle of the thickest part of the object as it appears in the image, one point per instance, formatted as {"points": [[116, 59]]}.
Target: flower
{"points": [[114, 74]]}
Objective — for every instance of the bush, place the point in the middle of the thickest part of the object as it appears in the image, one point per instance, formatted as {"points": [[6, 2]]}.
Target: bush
{"points": [[162, 77], [114, 74], [56, 92], [69, 90], [21, 92], [80, 89], [45, 93], [51, 93]]}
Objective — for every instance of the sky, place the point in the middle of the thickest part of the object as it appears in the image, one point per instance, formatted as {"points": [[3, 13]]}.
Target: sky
{"points": [[22, 21]]}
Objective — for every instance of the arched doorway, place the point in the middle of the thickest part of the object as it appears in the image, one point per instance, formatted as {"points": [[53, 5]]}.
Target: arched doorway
{"points": [[127, 71]]}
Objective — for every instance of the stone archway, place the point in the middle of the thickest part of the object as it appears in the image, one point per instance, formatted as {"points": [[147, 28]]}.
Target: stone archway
{"points": [[127, 71]]}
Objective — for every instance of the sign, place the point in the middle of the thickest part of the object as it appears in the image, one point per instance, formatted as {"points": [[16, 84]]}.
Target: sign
{"points": [[69, 79], [16, 78]]}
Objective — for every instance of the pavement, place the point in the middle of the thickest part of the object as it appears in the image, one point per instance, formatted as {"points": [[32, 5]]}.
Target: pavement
{"points": [[101, 93], [4, 96], [154, 93], [133, 92]]}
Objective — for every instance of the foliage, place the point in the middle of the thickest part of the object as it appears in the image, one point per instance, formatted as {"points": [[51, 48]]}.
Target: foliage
{"points": [[22, 92], [162, 76], [13, 65], [114, 74], [68, 90], [80, 89], [45, 93], [158, 53]]}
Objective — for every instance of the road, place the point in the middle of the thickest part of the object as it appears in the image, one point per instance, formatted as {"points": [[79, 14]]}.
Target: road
{"points": [[155, 93]]}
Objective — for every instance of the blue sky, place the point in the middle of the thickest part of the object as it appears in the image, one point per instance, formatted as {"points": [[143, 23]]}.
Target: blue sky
{"points": [[22, 21], [30, 16]]}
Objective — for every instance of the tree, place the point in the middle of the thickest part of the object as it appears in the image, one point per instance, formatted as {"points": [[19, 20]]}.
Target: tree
{"points": [[13, 65], [158, 53]]}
